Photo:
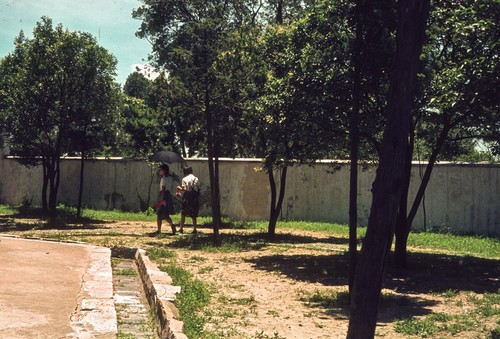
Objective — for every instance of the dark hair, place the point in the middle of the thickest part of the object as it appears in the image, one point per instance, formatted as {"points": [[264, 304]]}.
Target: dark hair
{"points": [[188, 170], [165, 168]]}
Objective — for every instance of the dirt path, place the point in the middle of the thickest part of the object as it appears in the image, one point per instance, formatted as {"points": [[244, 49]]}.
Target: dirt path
{"points": [[295, 287]]}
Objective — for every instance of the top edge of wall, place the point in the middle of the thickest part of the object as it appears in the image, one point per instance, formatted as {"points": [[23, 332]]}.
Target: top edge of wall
{"points": [[259, 160]]}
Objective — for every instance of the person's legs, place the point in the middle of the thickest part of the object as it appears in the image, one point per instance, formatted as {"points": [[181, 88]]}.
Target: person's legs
{"points": [[181, 224], [171, 223], [158, 222], [194, 224]]}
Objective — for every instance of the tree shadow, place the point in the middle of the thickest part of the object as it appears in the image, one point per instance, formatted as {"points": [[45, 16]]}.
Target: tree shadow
{"points": [[247, 241], [7, 224], [284, 238], [40, 221], [427, 273], [391, 306], [228, 242]]}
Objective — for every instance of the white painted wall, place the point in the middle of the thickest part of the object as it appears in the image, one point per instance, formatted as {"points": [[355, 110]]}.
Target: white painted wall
{"points": [[460, 197]]}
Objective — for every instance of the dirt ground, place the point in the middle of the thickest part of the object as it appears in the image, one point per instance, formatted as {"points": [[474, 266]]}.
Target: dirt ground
{"points": [[295, 287]]}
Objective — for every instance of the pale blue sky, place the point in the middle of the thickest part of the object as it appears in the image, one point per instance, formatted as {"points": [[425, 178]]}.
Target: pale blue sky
{"points": [[110, 21]]}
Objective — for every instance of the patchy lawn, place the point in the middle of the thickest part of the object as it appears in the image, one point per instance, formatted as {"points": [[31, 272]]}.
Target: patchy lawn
{"points": [[295, 287]]}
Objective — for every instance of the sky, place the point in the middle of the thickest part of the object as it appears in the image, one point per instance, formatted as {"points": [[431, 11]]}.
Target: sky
{"points": [[110, 21]]}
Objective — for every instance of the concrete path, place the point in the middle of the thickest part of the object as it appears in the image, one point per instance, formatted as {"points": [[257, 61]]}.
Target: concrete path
{"points": [[55, 290]]}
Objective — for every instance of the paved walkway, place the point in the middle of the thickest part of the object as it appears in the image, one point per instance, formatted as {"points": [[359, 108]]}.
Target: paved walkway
{"points": [[55, 290]]}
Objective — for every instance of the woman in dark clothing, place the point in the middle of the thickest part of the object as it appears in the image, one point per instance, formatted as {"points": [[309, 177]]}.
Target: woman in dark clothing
{"points": [[165, 205], [190, 192]]}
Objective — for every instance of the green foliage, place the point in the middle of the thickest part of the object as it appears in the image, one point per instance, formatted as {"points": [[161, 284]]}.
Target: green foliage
{"points": [[205, 49], [137, 86], [54, 86], [57, 97], [460, 81], [144, 129]]}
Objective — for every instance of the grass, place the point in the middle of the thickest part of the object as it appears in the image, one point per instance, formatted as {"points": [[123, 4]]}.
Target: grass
{"points": [[483, 307], [229, 243], [450, 243], [158, 253], [125, 271], [464, 245], [423, 328], [193, 297]]}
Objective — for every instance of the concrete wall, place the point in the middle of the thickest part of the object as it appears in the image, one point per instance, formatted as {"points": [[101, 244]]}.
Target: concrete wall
{"points": [[461, 198]]}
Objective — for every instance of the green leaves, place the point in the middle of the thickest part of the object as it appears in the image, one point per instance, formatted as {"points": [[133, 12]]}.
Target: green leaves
{"points": [[56, 89]]}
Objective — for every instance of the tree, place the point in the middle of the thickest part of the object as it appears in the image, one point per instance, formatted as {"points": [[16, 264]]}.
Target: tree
{"points": [[289, 125], [191, 39], [137, 86], [95, 128], [459, 84], [45, 94], [387, 188]]}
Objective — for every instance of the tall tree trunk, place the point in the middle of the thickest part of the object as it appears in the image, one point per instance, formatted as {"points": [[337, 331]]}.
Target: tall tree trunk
{"points": [[354, 138], [387, 187], [52, 173], [427, 174], [183, 147], [45, 185], [276, 200], [279, 12], [402, 228], [405, 220], [213, 169], [216, 208], [80, 191]]}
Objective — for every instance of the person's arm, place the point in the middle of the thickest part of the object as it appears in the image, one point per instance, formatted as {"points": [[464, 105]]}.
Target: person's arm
{"points": [[183, 186]]}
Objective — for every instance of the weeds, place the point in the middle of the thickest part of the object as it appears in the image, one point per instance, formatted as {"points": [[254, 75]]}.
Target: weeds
{"points": [[130, 272], [194, 295]]}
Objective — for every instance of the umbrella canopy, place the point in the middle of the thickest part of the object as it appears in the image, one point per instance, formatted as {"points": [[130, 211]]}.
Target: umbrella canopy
{"points": [[167, 157]]}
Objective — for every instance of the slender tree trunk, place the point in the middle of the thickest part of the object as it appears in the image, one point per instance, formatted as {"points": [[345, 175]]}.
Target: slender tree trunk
{"points": [[402, 227], [387, 188], [45, 185], [405, 220], [354, 136], [276, 200], [52, 173], [80, 191], [272, 185], [183, 148], [216, 208], [213, 170], [279, 12], [427, 174], [151, 179]]}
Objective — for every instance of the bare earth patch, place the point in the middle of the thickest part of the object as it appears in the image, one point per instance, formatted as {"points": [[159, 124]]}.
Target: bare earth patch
{"points": [[295, 287]]}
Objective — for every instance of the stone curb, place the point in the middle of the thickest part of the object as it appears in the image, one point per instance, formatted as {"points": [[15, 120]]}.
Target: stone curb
{"points": [[161, 293], [159, 290]]}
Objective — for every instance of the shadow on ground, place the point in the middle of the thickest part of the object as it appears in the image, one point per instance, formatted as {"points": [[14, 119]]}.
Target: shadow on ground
{"points": [[427, 273], [392, 306], [248, 241], [9, 223]]}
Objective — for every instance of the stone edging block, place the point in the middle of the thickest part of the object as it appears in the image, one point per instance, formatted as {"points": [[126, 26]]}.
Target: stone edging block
{"points": [[161, 294]]}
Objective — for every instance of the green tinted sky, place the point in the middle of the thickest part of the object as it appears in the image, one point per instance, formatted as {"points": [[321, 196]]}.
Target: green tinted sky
{"points": [[110, 21]]}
